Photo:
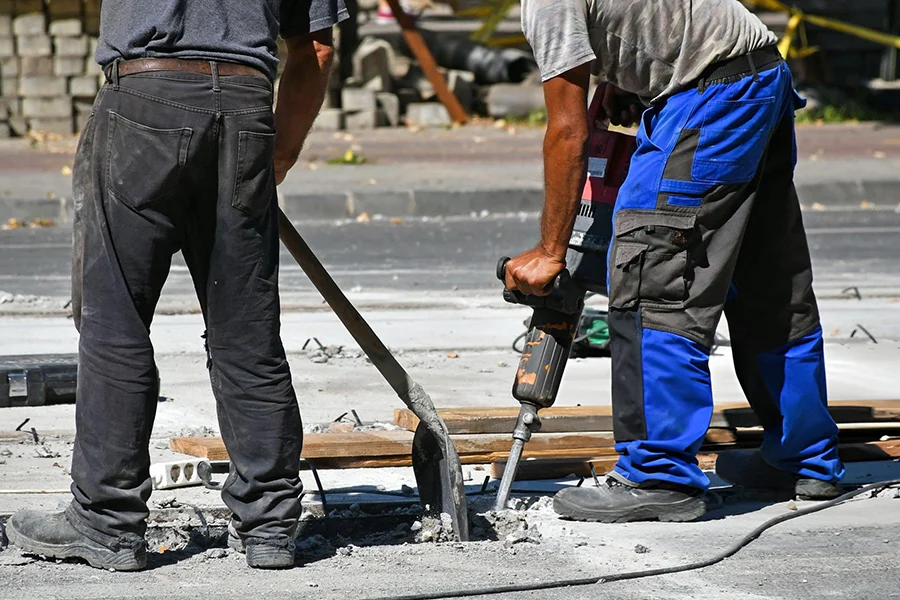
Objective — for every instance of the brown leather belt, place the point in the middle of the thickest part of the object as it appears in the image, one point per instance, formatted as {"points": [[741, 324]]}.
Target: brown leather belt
{"points": [[203, 67]]}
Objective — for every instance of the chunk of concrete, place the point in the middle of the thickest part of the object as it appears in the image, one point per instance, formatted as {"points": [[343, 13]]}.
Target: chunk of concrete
{"points": [[427, 114], [6, 29], [508, 99], [374, 57], [30, 24], [18, 125], [34, 45], [389, 104], [7, 47], [9, 67], [71, 46], [54, 126], [362, 119], [42, 87], [329, 119], [85, 86], [357, 99], [462, 84], [66, 66], [5, 131], [36, 66], [66, 27], [47, 108]]}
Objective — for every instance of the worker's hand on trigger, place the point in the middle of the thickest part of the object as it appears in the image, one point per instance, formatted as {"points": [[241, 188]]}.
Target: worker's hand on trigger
{"points": [[533, 272], [621, 107]]}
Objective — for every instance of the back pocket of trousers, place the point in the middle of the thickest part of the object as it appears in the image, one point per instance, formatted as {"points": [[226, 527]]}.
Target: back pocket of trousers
{"points": [[733, 137], [144, 164], [254, 183]]}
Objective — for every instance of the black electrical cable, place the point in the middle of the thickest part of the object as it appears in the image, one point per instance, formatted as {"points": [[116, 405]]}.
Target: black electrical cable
{"points": [[730, 551]]}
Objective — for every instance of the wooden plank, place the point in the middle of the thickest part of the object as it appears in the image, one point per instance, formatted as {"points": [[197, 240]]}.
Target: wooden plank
{"points": [[427, 63], [357, 444], [558, 467], [599, 418]]}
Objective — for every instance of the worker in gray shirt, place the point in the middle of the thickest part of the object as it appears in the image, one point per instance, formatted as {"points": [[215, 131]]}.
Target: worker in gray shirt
{"points": [[707, 221], [181, 153]]}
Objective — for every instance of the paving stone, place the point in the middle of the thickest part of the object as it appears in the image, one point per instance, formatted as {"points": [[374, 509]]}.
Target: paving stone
{"points": [[362, 119], [42, 87], [44, 108], [19, 125], [84, 87], [390, 105], [373, 58], [34, 45], [427, 114], [5, 131], [67, 27], [36, 66], [66, 66], [9, 67], [329, 119], [71, 46], [462, 84], [7, 47], [57, 126], [30, 24], [357, 99], [6, 29]]}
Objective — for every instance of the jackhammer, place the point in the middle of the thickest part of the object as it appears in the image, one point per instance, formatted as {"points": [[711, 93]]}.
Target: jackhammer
{"points": [[555, 319]]}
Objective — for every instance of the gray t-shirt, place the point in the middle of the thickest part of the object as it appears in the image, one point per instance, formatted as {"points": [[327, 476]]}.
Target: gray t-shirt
{"points": [[239, 31], [652, 48]]}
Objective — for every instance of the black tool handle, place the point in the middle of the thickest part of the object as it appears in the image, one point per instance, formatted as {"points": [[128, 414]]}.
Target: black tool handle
{"points": [[565, 295]]}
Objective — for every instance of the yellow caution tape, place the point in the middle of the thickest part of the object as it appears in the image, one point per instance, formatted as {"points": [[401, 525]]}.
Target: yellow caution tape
{"points": [[796, 23]]}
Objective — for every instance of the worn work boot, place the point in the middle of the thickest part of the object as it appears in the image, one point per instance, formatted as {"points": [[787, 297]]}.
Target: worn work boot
{"points": [[51, 535], [748, 469], [263, 554], [616, 502]]}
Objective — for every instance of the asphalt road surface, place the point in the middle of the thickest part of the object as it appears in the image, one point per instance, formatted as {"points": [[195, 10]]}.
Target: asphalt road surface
{"points": [[857, 247]]}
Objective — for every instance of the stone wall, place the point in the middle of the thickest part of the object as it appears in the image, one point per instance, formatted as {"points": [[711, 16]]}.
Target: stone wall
{"points": [[48, 77]]}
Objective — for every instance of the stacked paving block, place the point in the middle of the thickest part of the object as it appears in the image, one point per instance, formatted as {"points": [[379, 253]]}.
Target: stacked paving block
{"points": [[48, 77]]}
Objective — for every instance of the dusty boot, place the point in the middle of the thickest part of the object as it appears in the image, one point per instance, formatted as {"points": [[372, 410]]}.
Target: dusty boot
{"points": [[51, 535], [616, 502], [263, 553], [748, 469]]}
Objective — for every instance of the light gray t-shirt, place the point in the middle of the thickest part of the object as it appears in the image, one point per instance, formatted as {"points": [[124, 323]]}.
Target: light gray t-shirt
{"points": [[652, 48]]}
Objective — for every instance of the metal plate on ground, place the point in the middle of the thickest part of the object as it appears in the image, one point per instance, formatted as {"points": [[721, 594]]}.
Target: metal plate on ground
{"points": [[35, 380]]}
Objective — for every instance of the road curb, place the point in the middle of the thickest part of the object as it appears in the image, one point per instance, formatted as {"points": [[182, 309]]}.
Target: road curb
{"points": [[430, 202]]}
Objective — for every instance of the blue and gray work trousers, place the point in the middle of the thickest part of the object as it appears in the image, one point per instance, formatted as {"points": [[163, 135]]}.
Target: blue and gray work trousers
{"points": [[708, 220]]}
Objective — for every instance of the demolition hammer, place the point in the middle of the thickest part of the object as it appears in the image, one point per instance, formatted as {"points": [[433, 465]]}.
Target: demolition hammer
{"points": [[554, 322]]}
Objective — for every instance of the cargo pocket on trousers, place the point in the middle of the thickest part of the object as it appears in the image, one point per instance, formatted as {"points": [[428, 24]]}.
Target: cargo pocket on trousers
{"points": [[144, 164], [625, 278], [650, 259], [254, 185], [733, 137]]}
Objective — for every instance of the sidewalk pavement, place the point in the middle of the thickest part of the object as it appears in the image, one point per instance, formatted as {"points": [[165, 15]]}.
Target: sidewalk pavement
{"points": [[475, 168]]}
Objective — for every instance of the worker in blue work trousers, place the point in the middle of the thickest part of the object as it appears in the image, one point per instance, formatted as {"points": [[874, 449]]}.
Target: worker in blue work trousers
{"points": [[707, 220]]}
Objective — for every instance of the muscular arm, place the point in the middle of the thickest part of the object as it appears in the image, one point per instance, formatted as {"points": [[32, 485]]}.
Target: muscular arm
{"points": [[564, 170], [300, 95]]}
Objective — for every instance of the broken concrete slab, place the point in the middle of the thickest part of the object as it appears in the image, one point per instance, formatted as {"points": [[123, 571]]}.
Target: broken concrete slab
{"points": [[427, 114]]}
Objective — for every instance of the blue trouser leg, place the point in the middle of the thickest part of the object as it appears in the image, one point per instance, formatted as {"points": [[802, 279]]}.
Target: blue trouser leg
{"points": [[709, 201]]}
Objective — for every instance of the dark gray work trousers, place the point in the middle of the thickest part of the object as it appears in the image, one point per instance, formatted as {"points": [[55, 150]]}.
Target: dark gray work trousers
{"points": [[175, 161]]}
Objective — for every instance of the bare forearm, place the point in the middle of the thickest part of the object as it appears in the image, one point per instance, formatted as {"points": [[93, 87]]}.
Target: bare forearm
{"points": [[564, 171], [304, 83]]}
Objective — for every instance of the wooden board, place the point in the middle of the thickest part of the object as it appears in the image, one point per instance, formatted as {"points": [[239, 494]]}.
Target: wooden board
{"points": [[599, 418], [557, 467], [359, 444]]}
